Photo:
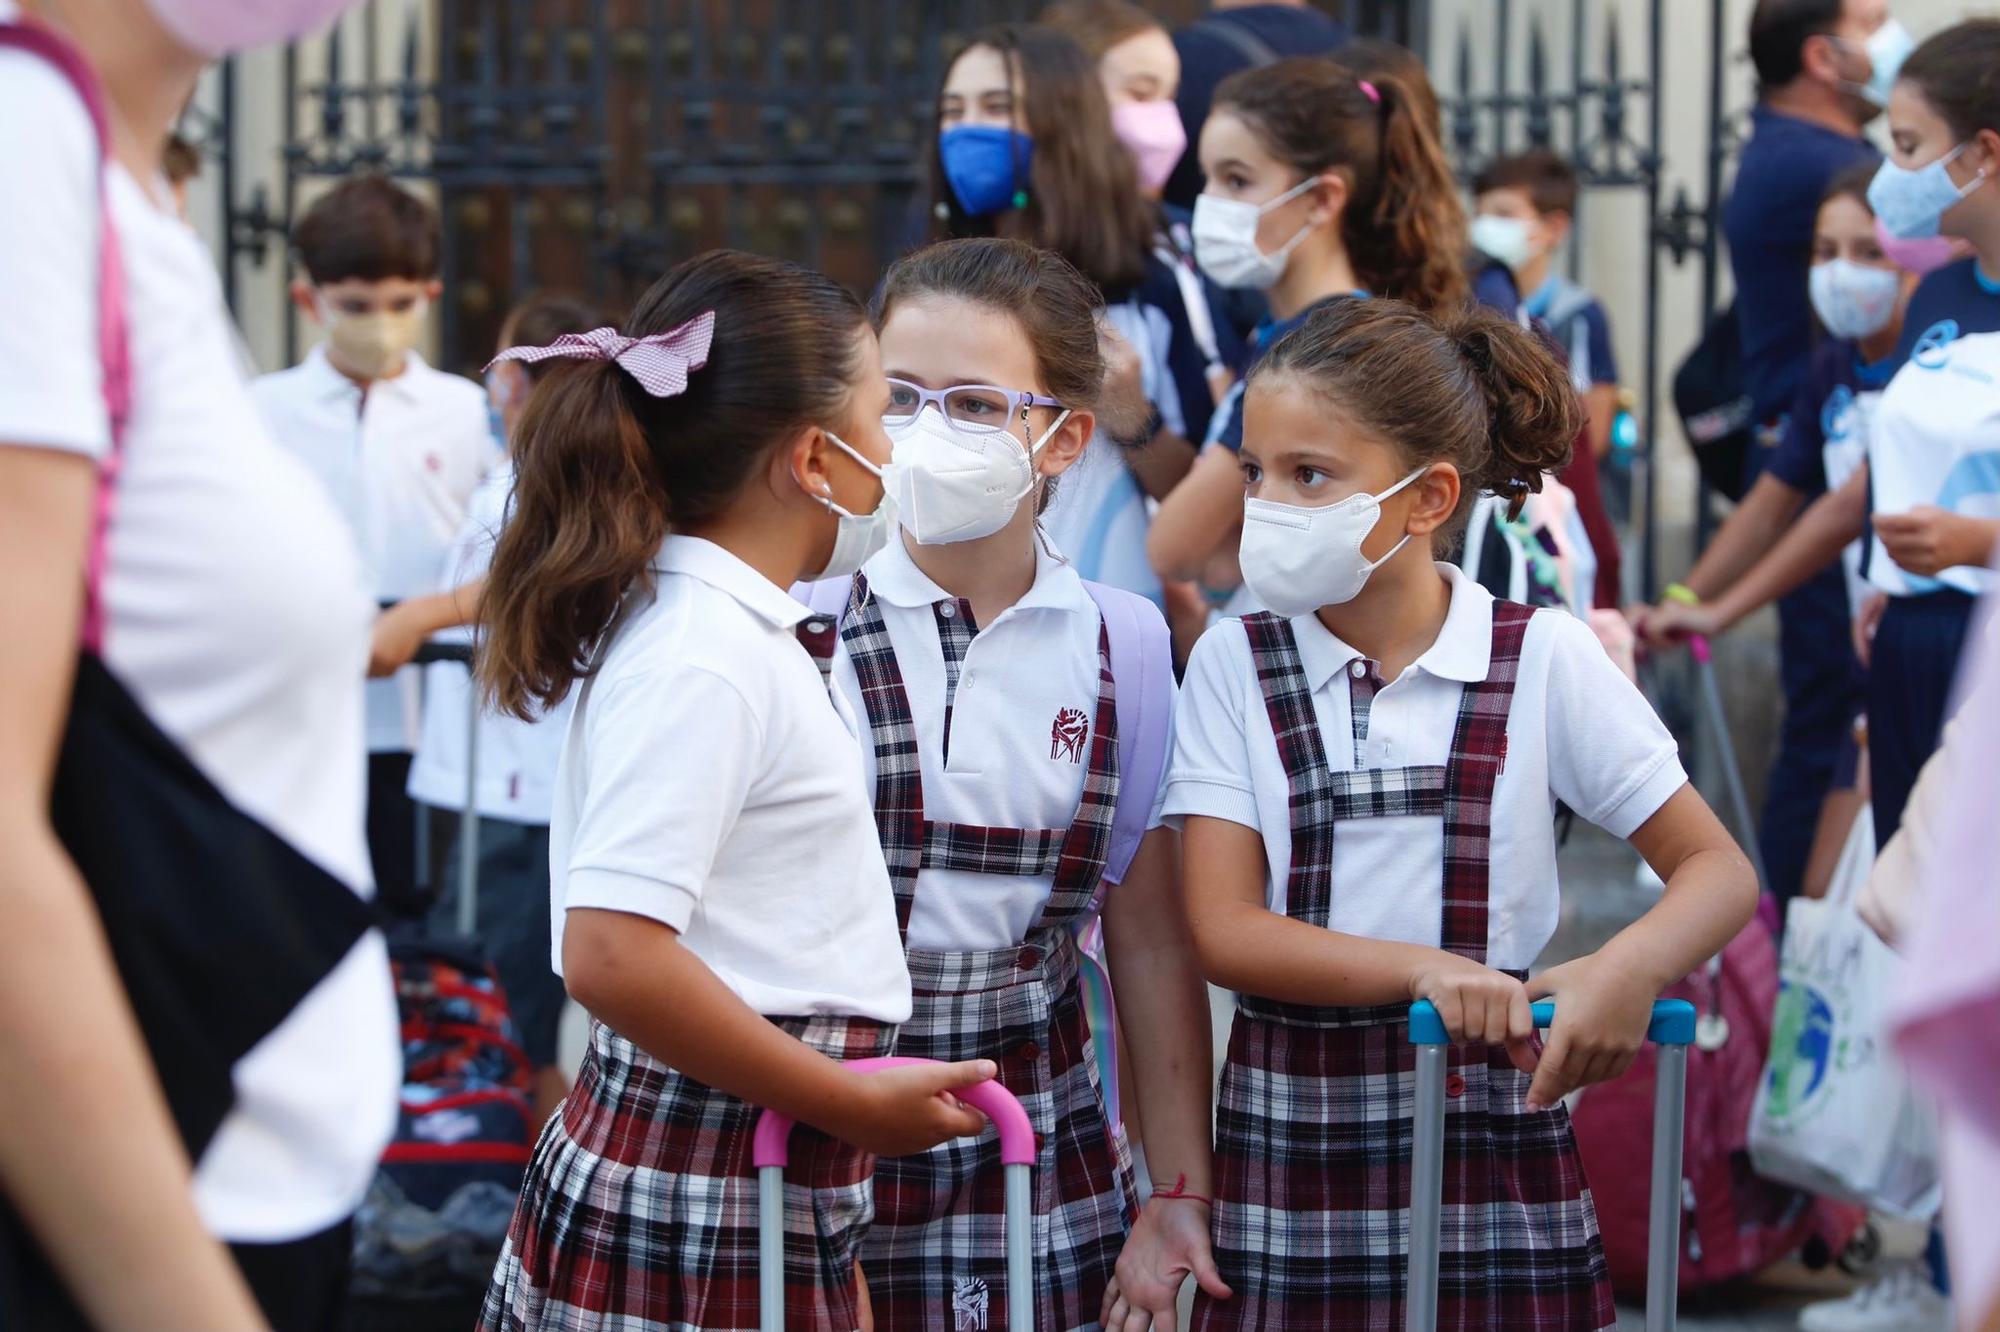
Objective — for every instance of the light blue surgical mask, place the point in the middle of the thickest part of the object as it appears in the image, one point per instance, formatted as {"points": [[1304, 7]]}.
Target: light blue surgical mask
{"points": [[1886, 48], [1911, 204]]}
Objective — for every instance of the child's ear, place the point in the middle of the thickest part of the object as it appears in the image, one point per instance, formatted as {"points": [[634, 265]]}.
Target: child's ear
{"points": [[433, 289], [306, 301], [1437, 492], [1556, 225], [1330, 200], [1066, 445]]}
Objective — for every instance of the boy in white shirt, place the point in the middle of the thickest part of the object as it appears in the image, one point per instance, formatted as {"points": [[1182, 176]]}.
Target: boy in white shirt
{"points": [[400, 447]]}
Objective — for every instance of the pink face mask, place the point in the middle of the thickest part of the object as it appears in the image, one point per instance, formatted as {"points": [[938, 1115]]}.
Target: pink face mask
{"points": [[1919, 256], [217, 28], [1153, 132]]}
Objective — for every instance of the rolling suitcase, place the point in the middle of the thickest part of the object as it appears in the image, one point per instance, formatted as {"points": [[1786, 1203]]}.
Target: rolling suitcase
{"points": [[1017, 1154], [1672, 1030]]}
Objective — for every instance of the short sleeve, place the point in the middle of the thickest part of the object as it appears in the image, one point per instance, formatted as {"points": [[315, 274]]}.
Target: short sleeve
{"points": [[1603, 365], [51, 377], [1210, 772], [1610, 757], [649, 825], [1798, 458], [1226, 426]]}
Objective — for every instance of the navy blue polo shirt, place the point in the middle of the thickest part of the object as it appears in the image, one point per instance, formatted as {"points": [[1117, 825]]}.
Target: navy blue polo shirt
{"points": [[1780, 179], [1227, 429]]}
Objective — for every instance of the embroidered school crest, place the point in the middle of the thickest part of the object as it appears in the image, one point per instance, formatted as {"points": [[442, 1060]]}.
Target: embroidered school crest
{"points": [[970, 1300], [1067, 734]]}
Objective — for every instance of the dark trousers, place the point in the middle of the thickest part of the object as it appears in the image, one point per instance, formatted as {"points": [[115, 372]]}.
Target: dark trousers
{"points": [[1911, 670], [392, 836], [1823, 691]]}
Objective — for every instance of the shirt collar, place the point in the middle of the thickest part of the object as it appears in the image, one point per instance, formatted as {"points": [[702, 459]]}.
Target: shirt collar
{"points": [[895, 578], [711, 564], [330, 383], [1462, 651]]}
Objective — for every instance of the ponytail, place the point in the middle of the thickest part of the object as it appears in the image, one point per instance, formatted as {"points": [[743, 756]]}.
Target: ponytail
{"points": [[605, 467], [1468, 388], [1404, 227]]}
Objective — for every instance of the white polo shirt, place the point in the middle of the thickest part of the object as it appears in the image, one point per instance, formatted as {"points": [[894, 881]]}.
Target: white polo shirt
{"points": [[709, 783], [516, 759], [1935, 439], [985, 709], [236, 614], [1579, 732], [400, 464]]}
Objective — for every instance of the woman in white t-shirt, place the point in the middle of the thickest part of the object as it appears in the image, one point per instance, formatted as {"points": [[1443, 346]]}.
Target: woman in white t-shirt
{"points": [[223, 633], [720, 902]]}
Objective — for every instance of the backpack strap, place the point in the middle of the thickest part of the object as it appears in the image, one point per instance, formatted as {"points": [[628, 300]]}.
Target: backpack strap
{"points": [[113, 331], [1194, 300], [1142, 663]]}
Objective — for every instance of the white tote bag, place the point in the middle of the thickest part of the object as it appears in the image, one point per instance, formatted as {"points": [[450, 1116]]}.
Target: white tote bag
{"points": [[1835, 1112]]}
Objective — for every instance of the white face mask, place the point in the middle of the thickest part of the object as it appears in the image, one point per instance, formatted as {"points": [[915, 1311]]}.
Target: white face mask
{"points": [[1853, 300], [953, 484], [1505, 238], [1225, 239], [1296, 560], [860, 536]]}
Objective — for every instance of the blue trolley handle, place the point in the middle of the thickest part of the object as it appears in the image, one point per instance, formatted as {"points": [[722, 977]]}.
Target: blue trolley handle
{"points": [[1672, 1030]]}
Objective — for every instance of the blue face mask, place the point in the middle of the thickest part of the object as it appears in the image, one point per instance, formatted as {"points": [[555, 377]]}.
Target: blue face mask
{"points": [[986, 167], [1911, 204]]}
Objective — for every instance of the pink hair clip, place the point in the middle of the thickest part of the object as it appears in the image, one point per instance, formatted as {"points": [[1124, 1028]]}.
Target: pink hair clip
{"points": [[1369, 91], [661, 362]]}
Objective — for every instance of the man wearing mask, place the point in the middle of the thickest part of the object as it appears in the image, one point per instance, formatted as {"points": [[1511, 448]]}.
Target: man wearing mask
{"points": [[1235, 36], [400, 447]]}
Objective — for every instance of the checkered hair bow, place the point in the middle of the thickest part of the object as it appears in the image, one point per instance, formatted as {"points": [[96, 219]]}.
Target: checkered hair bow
{"points": [[661, 362]]}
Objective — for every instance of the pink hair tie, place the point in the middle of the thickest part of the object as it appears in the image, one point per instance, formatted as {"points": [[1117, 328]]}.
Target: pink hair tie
{"points": [[661, 362], [1369, 91]]}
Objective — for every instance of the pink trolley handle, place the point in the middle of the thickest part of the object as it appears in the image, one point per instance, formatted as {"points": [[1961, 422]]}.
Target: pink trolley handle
{"points": [[770, 1153]]}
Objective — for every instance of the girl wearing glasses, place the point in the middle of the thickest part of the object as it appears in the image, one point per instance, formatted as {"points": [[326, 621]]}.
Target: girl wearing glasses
{"points": [[1018, 719]]}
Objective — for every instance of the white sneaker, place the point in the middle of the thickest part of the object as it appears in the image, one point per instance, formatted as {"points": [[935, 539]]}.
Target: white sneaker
{"points": [[1902, 1299]]}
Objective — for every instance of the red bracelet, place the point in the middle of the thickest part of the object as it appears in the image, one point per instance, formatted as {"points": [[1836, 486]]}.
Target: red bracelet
{"points": [[1180, 1191]]}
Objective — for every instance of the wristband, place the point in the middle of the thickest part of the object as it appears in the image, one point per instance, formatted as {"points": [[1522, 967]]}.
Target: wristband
{"points": [[1681, 595], [1180, 1192]]}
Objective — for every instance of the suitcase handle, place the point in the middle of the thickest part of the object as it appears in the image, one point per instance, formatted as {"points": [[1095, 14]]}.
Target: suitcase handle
{"points": [[770, 1152], [1672, 1029]]}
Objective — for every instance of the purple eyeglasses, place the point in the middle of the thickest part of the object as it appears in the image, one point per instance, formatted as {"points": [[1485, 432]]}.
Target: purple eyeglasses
{"points": [[973, 406]]}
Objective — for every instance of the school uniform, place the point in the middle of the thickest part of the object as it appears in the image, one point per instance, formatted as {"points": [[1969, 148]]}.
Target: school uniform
{"points": [[1418, 811], [994, 765], [233, 618], [1935, 439], [706, 784], [400, 461], [514, 792]]}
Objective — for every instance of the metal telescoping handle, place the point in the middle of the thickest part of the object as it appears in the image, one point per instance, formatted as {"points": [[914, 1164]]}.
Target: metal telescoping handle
{"points": [[468, 824], [770, 1152], [1672, 1029], [1725, 748]]}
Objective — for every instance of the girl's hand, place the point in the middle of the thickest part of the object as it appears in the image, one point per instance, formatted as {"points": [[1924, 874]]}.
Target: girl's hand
{"points": [[1169, 1243], [398, 635], [903, 1111], [1928, 540], [1602, 1012], [1672, 623], [1122, 407], [1479, 1006]]}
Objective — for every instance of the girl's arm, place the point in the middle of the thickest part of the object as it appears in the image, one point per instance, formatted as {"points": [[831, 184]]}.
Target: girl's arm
{"points": [[1167, 1036], [402, 629], [1198, 518], [1605, 1000], [632, 973], [1812, 543], [1245, 946], [89, 1153]]}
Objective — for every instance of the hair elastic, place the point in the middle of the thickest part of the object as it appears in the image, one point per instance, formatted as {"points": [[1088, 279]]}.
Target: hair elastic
{"points": [[1369, 90], [660, 362]]}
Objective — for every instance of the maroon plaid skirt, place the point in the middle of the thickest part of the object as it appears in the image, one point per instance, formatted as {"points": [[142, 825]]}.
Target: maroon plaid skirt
{"points": [[936, 1257], [640, 1209], [1313, 1142]]}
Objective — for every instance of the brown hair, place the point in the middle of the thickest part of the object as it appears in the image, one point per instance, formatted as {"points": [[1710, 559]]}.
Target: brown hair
{"points": [[1375, 59], [1958, 72], [1099, 25], [369, 228], [1466, 387], [1547, 180], [180, 160], [1404, 227], [1083, 195], [542, 318], [1056, 307], [1852, 184], [604, 470]]}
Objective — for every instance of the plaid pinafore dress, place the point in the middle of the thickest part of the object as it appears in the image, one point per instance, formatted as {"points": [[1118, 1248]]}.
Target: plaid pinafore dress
{"points": [[1313, 1129], [935, 1257]]}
